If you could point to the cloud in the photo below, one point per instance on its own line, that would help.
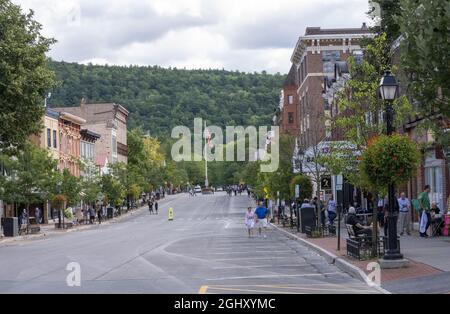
(245, 35)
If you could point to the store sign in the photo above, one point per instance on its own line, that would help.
(325, 183)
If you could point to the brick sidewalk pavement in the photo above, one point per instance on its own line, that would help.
(414, 270)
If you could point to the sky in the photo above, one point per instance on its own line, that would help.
(244, 35)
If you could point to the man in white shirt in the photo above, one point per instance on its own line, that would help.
(405, 214)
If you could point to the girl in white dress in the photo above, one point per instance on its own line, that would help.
(250, 221)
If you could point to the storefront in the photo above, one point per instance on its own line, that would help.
(434, 175)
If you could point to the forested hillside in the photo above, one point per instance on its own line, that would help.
(160, 99)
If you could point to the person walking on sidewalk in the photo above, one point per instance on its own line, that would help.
(99, 215)
(156, 207)
(331, 207)
(91, 215)
(425, 216)
(261, 215)
(405, 214)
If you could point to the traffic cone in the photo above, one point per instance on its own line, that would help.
(170, 214)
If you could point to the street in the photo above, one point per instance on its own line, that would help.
(204, 250)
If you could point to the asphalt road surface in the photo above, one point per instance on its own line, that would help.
(204, 250)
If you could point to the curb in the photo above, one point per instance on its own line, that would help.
(51, 232)
(333, 259)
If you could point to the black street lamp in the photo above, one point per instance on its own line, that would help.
(389, 92)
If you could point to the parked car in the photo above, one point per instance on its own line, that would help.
(219, 189)
(198, 189)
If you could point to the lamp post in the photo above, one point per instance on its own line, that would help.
(389, 92)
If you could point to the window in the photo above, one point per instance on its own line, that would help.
(291, 117)
(114, 145)
(83, 149)
(49, 138)
(329, 59)
(54, 139)
(290, 99)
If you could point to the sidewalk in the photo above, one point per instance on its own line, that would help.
(428, 256)
(50, 229)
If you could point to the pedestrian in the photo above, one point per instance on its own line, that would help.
(404, 214)
(250, 221)
(425, 216)
(331, 207)
(24, 217)
(99, 216)
(91, 215)
(156, 207)
(261, 218)
(85, 216)
(150, 207)
(358, 228)
(37, 214)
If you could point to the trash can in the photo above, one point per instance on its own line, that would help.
(110, 213)
(307, 218)
(11, 227)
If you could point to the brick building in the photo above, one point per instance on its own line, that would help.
(315, 57)
(108, 120)
(289, 118)
(69, 142)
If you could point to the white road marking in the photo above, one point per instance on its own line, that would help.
(251, 252)
(261, 266)
(274, 276)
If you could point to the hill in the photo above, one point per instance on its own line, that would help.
(160, 98)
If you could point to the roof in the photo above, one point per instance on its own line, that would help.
(51, 113)
(335, 31)
(317, 33)
(96, 112)
(71, 117)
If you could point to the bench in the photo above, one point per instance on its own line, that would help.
(358, 246)
(34, 229)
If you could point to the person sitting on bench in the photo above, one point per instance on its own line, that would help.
(358, 228)
(436, 220)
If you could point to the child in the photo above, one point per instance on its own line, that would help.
(250, 221)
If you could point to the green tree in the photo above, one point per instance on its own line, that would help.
(306, 187)
(24, 75)
(32, 176)
(70, 187)
(425, 58)
(389, 10)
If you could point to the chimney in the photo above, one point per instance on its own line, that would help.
(364, 26)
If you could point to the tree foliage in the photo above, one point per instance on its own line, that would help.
(425, 57)
(160, 99)
(24, 75)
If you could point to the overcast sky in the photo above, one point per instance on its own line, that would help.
(245, 35)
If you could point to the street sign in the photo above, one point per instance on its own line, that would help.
(325, 183)
(297, 191)
(338, 187)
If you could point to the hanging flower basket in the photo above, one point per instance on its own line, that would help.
(390, 160)
(59, 201)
